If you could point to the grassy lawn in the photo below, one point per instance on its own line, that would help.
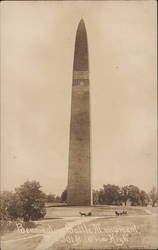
(104, 232)
(153, 209)
(67, 211)
(113, 233)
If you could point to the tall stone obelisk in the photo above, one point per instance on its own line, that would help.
(79, 172)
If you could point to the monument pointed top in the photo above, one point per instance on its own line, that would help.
(81, 48)
(81, 25)
(81, 21)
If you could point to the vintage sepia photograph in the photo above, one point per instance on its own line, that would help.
(78, 125)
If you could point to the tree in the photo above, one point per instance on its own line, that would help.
(153, 195)
(125, 194)
(134, 195)
(51, 198)
(64, 196)
(57, 199)
(31, 200)
(10, 206)
(95, 197)
(144, 198)
(110, 195)
(101, 196)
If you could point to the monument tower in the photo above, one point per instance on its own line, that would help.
(79, 172)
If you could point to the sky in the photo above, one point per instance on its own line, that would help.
(37, 47)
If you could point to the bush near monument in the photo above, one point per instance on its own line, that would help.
(26, 203)
(52, 198)
(64, 196)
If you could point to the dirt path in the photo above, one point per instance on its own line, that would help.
(50, 238)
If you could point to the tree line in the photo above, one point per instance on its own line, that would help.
(28, 202)
(131, 194)
(115, 195)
